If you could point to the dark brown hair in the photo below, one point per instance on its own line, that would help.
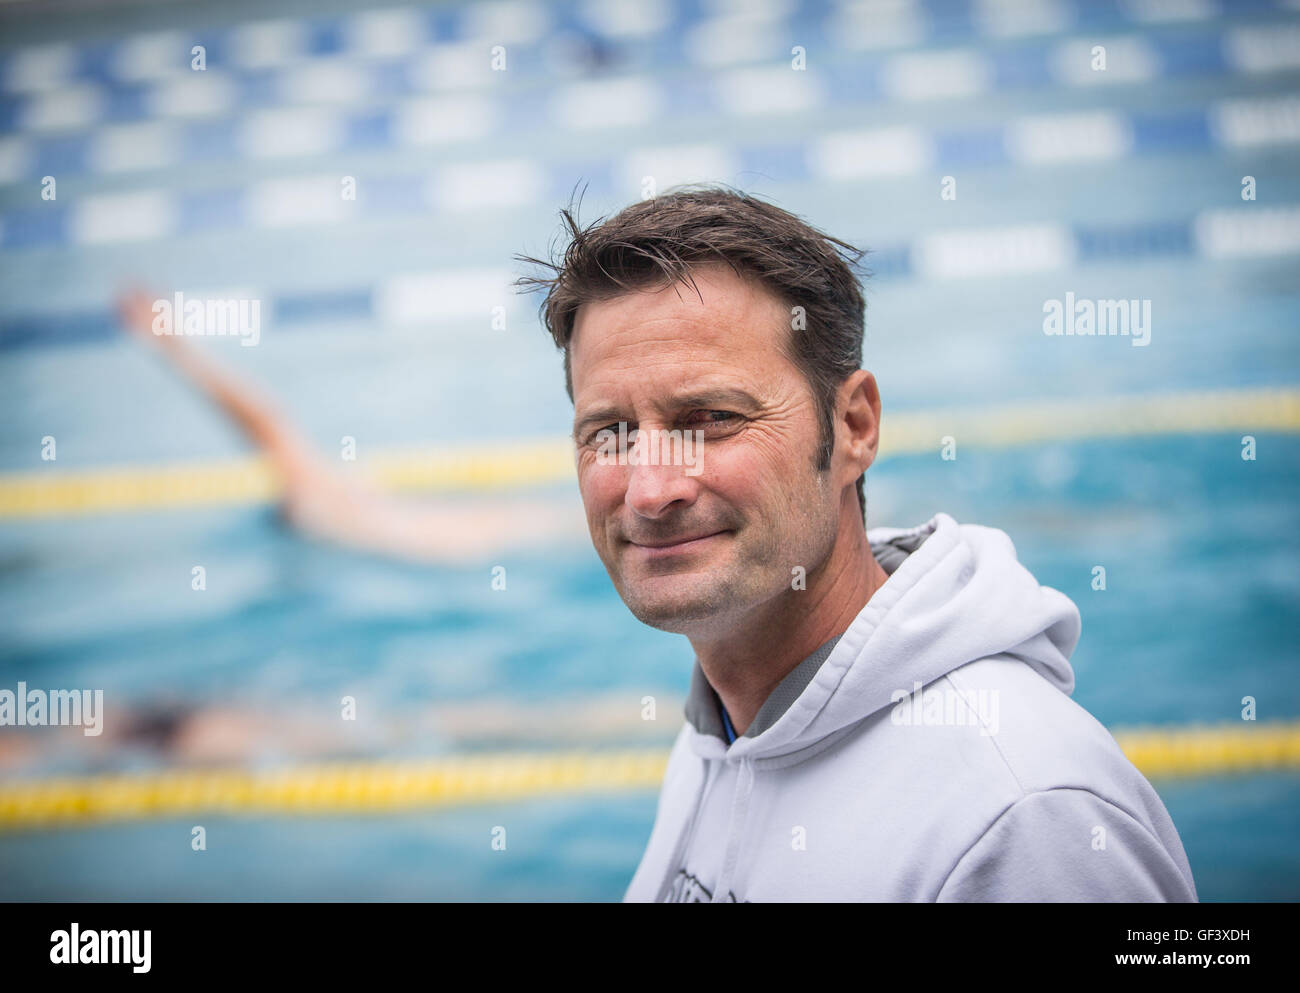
(657, 241)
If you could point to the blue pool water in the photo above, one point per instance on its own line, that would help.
(1198, 612)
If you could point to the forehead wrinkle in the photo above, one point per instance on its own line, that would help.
(667, 355)
(693, 335)
(671, 353)
(667, 330)
(693, 309)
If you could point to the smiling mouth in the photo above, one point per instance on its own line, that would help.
(675, 547)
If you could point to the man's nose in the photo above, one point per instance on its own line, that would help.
(654, 484)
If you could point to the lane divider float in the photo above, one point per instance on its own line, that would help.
(393, 786)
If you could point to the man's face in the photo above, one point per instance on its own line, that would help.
(693, 548)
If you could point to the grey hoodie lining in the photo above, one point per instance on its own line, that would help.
(703, 708)
(789, 689)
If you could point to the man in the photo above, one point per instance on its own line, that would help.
(876, 715)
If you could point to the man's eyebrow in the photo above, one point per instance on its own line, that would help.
(707, 398)
(601, 415)
(722, 396)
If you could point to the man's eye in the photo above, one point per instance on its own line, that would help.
(706, 418)
(609, 432)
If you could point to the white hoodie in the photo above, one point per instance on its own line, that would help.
(989, 784)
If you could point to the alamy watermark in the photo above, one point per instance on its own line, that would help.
(947, 707)
(28, 708)
(1071, 316)
(101, 947)
(651, 447)
(235, 317)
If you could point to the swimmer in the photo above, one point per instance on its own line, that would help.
(327, 504)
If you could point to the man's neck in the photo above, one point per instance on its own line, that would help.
(747, 664)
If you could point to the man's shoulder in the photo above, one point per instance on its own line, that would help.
(974, 742)
(1060, 761)
(1044, 737)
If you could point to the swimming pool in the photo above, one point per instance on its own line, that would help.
(378, 328)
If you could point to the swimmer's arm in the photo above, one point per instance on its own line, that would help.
(317, 497)
(252, 410)
(325, 503)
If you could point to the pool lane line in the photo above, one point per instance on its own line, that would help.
(378, 787)
(54, 492)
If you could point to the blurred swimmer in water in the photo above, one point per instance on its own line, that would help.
(325, 503)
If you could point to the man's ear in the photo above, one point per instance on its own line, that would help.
(859, 422)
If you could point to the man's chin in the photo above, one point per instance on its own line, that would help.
(677, 610)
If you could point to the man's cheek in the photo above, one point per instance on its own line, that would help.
(737, 479)
(600, 501)
(600, 487)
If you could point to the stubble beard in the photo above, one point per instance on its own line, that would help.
(757, 567)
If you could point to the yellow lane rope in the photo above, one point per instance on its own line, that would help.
(1162, 753)
(338, 788)
(53, 491)
(379, 787)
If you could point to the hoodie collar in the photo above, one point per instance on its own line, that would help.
(702, 703)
